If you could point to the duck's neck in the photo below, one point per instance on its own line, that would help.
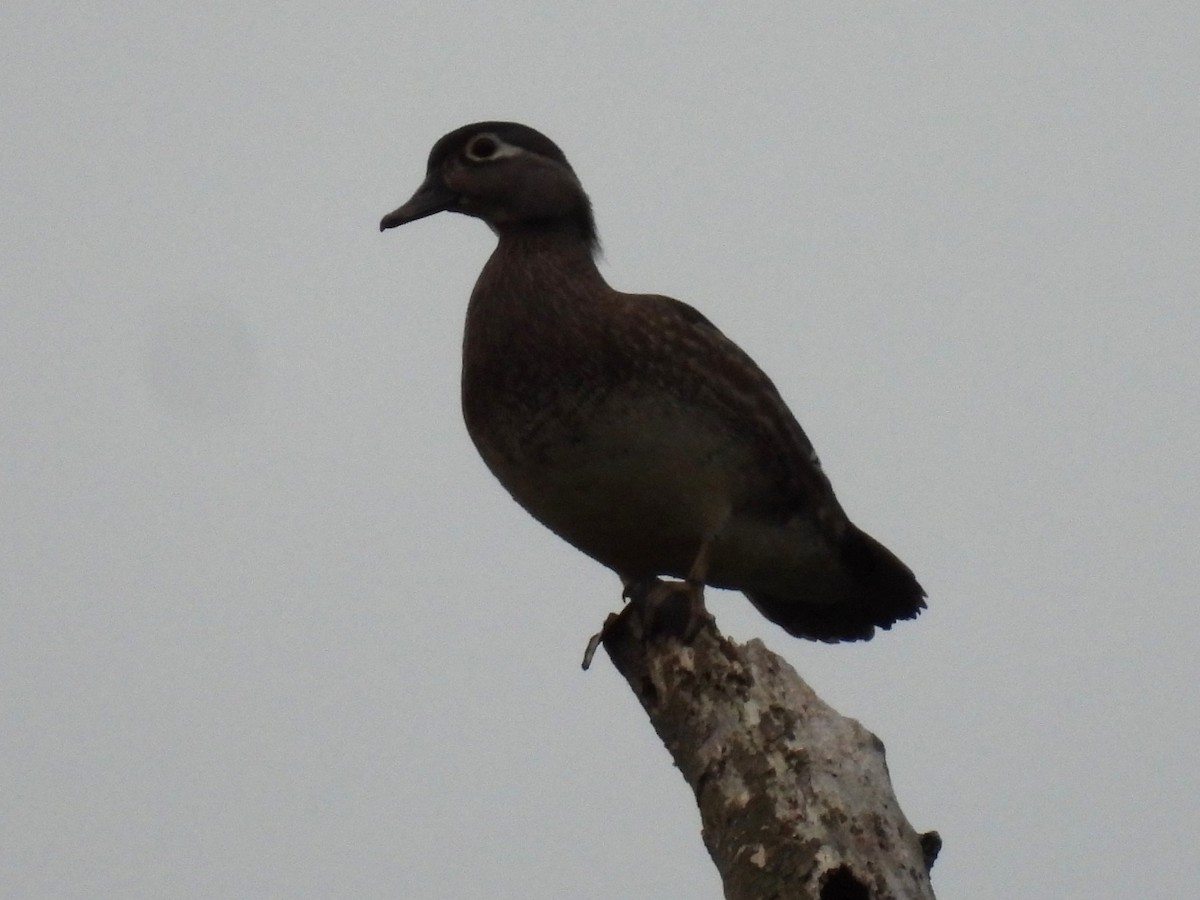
(543, 264)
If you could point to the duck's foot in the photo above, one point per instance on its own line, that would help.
(657, 609)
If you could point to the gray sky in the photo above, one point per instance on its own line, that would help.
(268, 628)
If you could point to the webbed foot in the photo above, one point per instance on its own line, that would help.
(657, 609)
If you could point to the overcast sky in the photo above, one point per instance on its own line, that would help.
(269, 629)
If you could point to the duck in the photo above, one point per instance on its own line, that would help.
(629, 424)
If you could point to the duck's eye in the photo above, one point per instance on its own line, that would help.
(483, 147)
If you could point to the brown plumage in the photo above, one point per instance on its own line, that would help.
(631, 426)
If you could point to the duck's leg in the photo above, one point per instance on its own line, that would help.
(668, 608)
(693, 589)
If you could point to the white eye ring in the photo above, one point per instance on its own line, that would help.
(486, 147)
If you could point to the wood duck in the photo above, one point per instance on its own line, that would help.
(628, 423)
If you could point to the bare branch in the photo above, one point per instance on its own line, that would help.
(795, 799)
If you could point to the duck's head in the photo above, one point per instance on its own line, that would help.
(514, 178)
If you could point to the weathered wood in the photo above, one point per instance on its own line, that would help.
(795, 799)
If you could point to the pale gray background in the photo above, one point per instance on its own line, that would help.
(270, 630)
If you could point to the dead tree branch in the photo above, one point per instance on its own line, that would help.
(795, 799)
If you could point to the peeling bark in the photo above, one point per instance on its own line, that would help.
(795, 799)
